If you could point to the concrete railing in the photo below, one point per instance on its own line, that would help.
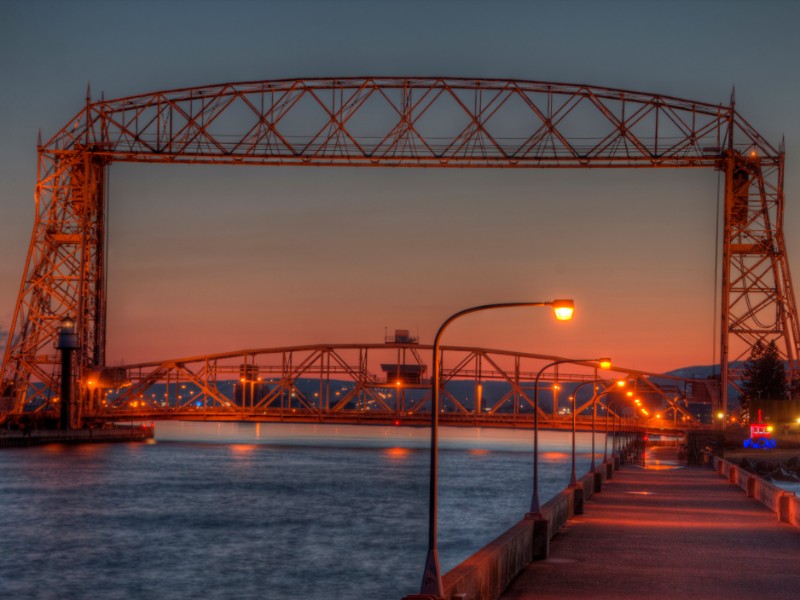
(785, 504)
(488, 572)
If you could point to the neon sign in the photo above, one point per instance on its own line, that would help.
(760, 435)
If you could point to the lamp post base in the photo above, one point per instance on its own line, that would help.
(431, 578)
(577, 498)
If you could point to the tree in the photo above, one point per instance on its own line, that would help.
(764, 375)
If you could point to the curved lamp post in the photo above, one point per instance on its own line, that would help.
(605, 364)
(431, 578)
(595, 398)
(614, 443)
(620, 383)
(536, 510)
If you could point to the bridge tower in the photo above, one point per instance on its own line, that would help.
(64, 278)
(758, 301)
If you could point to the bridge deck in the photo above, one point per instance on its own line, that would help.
(667, 532)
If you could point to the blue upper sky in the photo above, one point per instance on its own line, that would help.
(223, 258)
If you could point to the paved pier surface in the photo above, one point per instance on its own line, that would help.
(668, 532)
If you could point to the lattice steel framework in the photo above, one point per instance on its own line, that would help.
(389, 122)
(351, 383)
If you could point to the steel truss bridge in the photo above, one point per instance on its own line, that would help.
(384, 384)
(387, 122)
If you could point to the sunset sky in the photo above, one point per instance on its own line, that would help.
(209, 259)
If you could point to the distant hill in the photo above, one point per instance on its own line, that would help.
(702, 371)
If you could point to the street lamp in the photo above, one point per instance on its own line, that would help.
(616, 434)
(621, 384)
(431, 578)
(593, 468)
(605, 363)
(536, 511)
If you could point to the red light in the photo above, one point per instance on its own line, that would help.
(397, 422)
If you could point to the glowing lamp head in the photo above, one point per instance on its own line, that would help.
(621, 383)
(563, 309)
(605, 363)
(67, 335)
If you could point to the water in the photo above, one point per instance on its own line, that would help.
(311, 512)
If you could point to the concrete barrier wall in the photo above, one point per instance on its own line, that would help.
(784, 504)
(793, 511)
(488, 572)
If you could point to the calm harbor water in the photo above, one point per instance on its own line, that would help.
(245, 511)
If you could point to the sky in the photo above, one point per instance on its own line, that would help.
(211, 259)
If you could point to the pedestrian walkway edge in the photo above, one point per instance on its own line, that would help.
(488, 572)
(785, 504)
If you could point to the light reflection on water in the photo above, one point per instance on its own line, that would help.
(372, 436)
(266, 511)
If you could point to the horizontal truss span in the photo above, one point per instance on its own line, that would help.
(415, 122)
(372, 384)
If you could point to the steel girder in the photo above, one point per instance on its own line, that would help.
(300, 383)
(395, 122)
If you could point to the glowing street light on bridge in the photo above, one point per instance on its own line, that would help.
(431, 578)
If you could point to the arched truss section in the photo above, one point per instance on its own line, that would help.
(388, 122)
(409, 122)
(374, 383)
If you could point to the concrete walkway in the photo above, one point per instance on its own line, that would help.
(668, 532)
